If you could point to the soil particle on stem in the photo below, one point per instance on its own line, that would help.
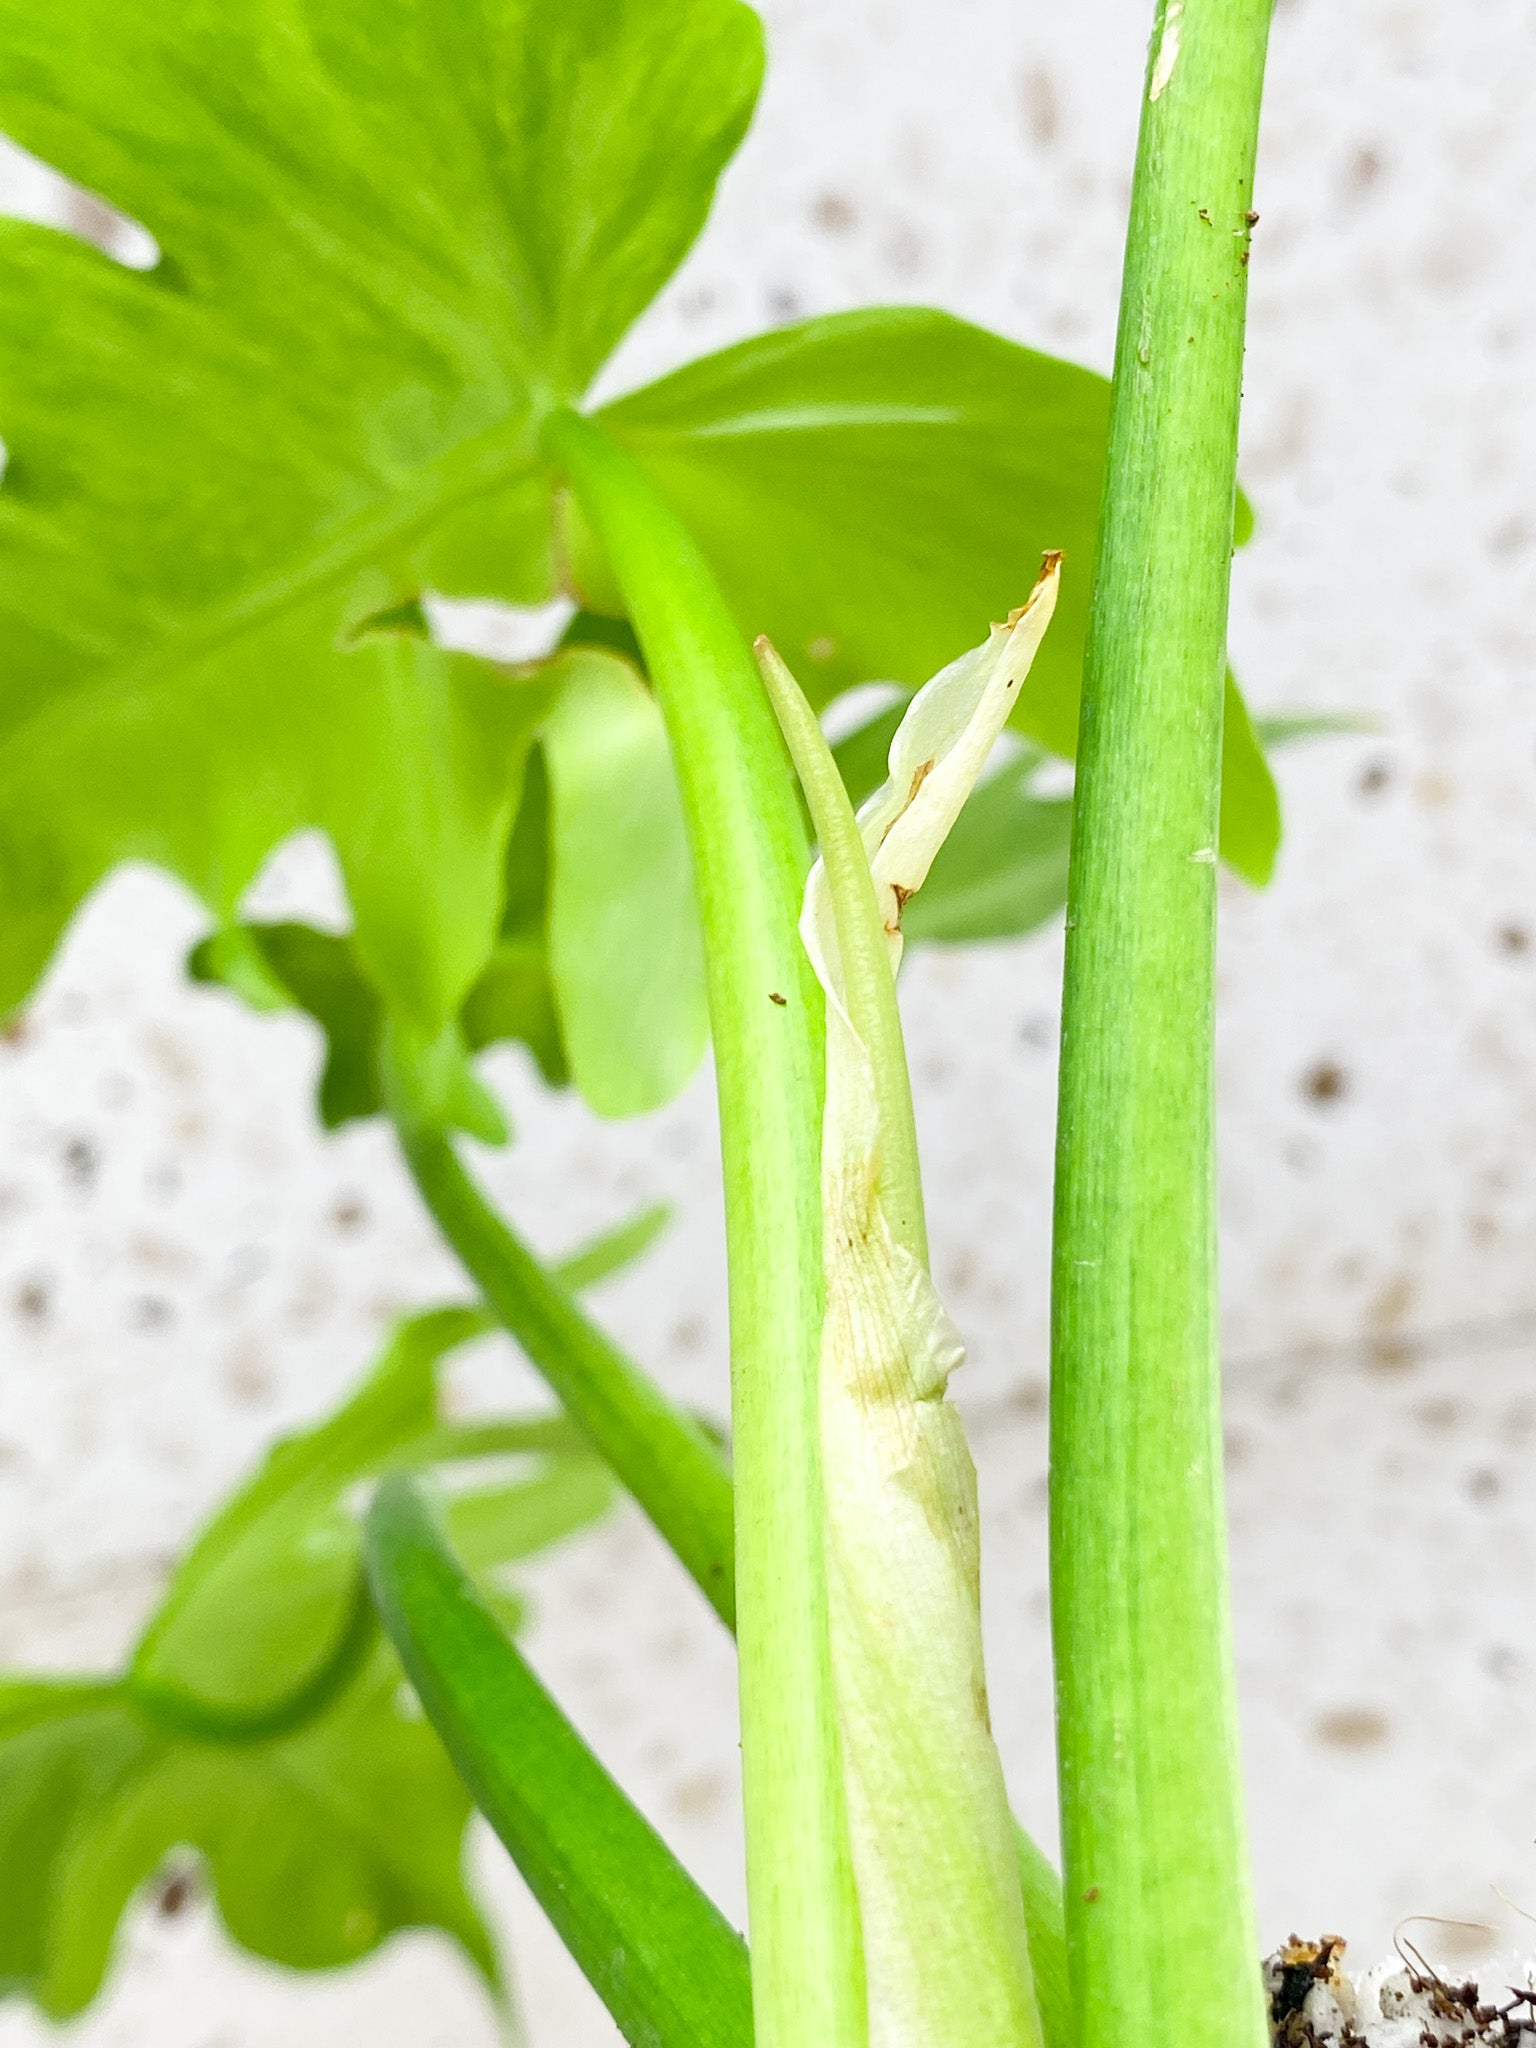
(1314, 2003)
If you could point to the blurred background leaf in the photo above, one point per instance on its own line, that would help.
(626, 954)
(317, 1844)
(1003, 869)
(261, 1721)
(597, 965)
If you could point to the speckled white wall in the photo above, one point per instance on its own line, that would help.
(187, 1267)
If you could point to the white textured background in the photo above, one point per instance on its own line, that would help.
(187, 1267)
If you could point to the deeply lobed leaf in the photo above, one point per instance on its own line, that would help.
(391, 237)
(316, 1845)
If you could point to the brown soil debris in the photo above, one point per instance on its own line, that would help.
(1314, 2004)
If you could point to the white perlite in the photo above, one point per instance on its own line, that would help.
(1315, 2003)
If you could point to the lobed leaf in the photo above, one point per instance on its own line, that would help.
(391, 237)
(261, 1722)
(597, 965)
(317, 1845)
(387, 249)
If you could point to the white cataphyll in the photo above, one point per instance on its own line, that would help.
(946, 1953)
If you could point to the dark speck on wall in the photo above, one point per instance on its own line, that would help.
(1040, 104)
(32, 1301)
(1351, 1728)
(81, 1163)
(834, 214)
(1324, 1083)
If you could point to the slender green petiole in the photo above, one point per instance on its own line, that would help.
(663, 1457)
(1160, 1929)
(749, 858)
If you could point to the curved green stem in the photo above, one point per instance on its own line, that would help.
(750, 858)
(1160, 1928)
(665, 1963)
(665, 1459)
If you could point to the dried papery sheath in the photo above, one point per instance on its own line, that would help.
(937, 756)
(945, 1948)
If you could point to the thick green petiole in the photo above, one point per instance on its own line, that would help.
(749, 856)
(1160, 1929)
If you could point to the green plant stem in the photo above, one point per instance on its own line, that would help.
(750, 858)
(1160, 1929)
(669, 1968)
(1044, 1915)
(665, 1459)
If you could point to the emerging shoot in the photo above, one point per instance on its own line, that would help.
(946, 1954)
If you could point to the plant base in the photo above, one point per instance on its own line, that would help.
(1315, 2003)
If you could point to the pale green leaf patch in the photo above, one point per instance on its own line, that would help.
(626, 956)
(597, 965)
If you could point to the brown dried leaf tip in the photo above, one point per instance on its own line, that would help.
(1050, 565)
